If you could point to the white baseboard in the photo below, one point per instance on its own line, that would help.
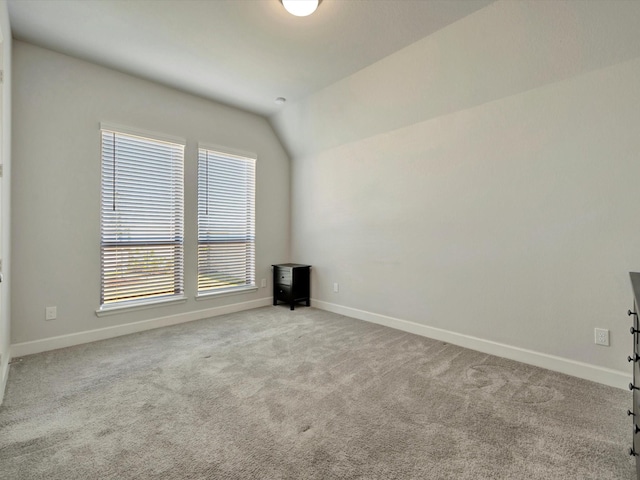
(574, 368)
(4, 374)
(586, 371)
(62, 341)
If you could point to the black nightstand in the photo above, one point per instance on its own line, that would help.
(291, 284)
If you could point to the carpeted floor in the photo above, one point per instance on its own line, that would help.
(275, 394)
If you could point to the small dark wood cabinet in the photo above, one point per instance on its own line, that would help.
(634, 359)
(291, 284)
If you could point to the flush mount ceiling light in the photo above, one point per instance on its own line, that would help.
(300, 8)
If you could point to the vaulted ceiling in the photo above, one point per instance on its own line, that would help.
(244, 53)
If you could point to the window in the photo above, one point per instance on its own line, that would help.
(226, 222)
(141, 219)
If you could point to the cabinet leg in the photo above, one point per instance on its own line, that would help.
(308, 302)
(292, 306)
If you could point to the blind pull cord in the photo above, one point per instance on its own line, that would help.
(114, 172)
(207, 175)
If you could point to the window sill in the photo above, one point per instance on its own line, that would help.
(226, 292)
(142, 305)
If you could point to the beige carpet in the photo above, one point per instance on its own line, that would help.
(275, 394)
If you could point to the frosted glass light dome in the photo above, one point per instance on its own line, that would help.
(300, 8)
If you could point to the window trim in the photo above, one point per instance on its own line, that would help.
(235, 152)
(133, 305)
(227, 292)
(140, 304)
(138, 132)
(241, 289)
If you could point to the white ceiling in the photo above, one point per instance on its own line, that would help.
(243, 53)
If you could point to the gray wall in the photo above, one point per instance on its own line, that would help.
(483, 180)
(59, 103)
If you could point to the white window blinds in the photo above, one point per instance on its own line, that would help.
(226, 221)
(141, 219)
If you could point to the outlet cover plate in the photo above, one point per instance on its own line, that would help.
(602, 337)
(50, 313)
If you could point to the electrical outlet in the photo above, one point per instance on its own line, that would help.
(602, 336)
(336, 287)
(50, 313)
(263, 283)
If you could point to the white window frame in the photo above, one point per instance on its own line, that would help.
(246, 234)
(170, 237)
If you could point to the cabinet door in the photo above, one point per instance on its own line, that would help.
(636, 380)
(301, 283)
